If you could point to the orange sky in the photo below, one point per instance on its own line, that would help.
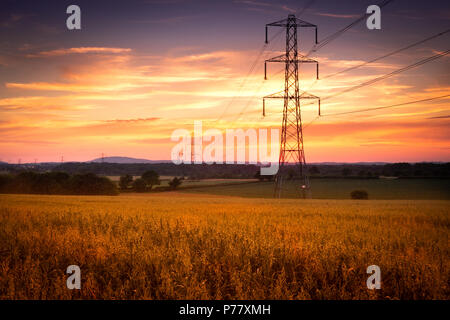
(81, 101)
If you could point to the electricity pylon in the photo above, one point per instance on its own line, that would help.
(292, 155)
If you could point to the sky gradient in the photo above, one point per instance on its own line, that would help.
(140, 69)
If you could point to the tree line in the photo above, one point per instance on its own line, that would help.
(31, 182)
(146, 182)
(62, 183)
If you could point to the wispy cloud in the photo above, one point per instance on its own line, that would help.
(335, 15)
(176, 19)
(440, 117)
(81, 50)
(262, 6)
(132, 120)
(13, 19)
(46, 86)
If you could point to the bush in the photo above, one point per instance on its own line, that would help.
(359, 194)
(5, 182)
(174, 183)
(151, 178)
(139, 185)
(125, 181)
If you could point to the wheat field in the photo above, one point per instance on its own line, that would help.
(185, 246)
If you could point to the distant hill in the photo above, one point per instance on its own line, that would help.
(126, 160)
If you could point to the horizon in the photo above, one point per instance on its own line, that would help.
(159, 161)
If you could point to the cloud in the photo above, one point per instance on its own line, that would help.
(27, 142)
(440, 117)
(14, 19)
(262, 6)
(393, 131)
(40, 103)
(81, 50)
(46, 86)
(132, 120)
(340, 16)
(176, 19)
(3, 61)
(118, 98)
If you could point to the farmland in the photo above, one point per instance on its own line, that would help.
(381, 189)
(197, 246)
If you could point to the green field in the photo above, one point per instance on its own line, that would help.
(188, 183)
(341, 188)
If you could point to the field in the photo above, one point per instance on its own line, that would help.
(187, 183)
(331, 188)
(189, 246)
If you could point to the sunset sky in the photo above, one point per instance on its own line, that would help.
(140, 69)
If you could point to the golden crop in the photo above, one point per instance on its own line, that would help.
(178, 246)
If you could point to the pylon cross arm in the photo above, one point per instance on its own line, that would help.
(288, 22)
(306, 95)
(283, 58)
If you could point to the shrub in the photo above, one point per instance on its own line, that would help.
(174, 183)
(151, 178)
(139, 185)
(359, 194)
(125, 181)
(5, 182)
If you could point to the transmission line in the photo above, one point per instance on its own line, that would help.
(385, 107)
(387, 55)
(367, 83)
(307, 5)
(250, 72)
(338, 33)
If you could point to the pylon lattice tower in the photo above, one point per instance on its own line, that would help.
(291, 147)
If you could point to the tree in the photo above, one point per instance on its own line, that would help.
(174, 183)
(150, 178)
(139, 185)
(125, 181)
(91, 184)
(5, 182)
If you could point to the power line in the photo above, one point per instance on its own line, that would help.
(299, 13)
(387, 55)
(367, 83)
(370, 82)
(307, 5)
(385, 107)
(249, 73)
(338, 33)
(311, 122)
